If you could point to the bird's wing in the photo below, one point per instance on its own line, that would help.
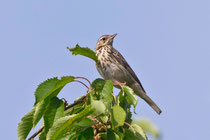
(121, 60)
(98, 67)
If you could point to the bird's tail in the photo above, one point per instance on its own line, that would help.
(138, 90)
(151, 103)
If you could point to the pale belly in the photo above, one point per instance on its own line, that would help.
(114, 72)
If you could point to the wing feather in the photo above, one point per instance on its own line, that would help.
(121, 60)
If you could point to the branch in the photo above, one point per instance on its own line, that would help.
(35, 134)
(76, 102)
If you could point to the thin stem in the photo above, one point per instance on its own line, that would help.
(130, 127)
(76, 102)
(84, 79)
(35, 134)
(82, 83)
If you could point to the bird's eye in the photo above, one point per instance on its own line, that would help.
(104, 39)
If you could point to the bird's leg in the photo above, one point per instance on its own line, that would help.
(119, 84)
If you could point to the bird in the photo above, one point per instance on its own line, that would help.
(111, 65)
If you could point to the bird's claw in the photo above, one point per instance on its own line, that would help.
(119, 84)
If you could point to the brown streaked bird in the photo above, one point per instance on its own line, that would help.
(113, 66)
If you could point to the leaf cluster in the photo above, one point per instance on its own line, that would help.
(99, 114)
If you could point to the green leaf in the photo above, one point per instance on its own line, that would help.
(131, 97)
(126, 106)
(93, 96)
(62, 125)
(139, 132)
(42, 135)
(98, 85)
(53, 84)
(104, 118)
(54, 111)
(44, 88)
(40, 109)
(106, 93)
(63, 81)
(69, 136)
(88, 134)
(74, 110)
(83, 51)
(111, 135)
(129, 135)
(102, 136)
(51, 88)
(117, 116)
(25, 126)
(99, 107)
(148, 126)
(85, 122)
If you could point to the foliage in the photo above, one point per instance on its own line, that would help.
(148, 126)
(99, 114)
(83, 51)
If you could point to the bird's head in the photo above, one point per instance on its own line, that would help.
(105, 40)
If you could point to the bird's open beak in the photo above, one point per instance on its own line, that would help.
(113, 36)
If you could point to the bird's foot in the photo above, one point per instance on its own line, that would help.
(119, 84)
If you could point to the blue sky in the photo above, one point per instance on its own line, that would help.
(166, 43)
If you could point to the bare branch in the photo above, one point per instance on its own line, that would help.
(35, 134)
(76, 102)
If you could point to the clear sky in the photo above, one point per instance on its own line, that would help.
(167, 43)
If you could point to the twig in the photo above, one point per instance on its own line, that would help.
(84, 79)
(76, 102)
(37, 132)
(92, 118)
(130, 127)
(65, 101)
(82, 83)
